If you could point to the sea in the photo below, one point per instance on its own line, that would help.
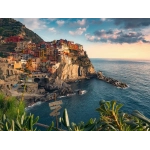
(135, 73)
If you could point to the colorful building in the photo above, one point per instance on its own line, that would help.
(14, 39)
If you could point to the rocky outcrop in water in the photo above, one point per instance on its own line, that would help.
(111, 80)
(50, 84)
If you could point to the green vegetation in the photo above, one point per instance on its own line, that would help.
(111, 119)
(10, 106)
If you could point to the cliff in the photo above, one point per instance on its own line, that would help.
(70, 68)
(75, 67)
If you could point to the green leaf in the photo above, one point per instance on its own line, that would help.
(113, 103)
(51, 126)
(90, 128)
(18, 125)
(139, 115)
(102, 102)
(66, 118)
(107, 104)
(22, 119)
(112, 127)
(91, 121)
(6, 125)
(31, 123)
(36, 120)
(12, 125)
(118, 107)
(4, 118)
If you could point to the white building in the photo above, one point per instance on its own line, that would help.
(23, 61)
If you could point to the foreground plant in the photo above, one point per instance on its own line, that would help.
(89, 126)
(111, 119)
(10, 106)
(21, 123)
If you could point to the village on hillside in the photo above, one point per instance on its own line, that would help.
(29, 61)
(42, 57)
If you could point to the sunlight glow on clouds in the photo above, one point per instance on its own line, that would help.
(34, 23)
(78, 23)
(107, 37)
(81, 22)
(116, 36)
(79, 31)
(52, 30)
(60, 22)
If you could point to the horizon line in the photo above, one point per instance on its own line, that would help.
(121, 58)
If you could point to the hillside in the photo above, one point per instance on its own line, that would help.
(10, 27)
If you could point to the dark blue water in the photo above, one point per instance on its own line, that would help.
(82, 107)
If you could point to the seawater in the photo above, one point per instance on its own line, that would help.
(136, 74)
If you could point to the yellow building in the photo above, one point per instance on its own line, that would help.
(17, 65)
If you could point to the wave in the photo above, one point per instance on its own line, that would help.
(35, 104)
(68, 95)
(61, 96)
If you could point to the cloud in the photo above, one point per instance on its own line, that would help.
(53, 30)
(78, 23)
(33, 23)
(91, 38)
(81, 22)
(60, 22)
(103, 32)
(78, 31)
(117, 36)
(130, 23)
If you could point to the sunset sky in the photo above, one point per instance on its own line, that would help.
(124, 38)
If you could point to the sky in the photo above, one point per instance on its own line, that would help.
(120, 38)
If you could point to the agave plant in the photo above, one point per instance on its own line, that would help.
(143, 123)
(89, 126)
(21, 123)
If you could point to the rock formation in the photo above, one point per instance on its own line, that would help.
(74, 68)
(110, 80)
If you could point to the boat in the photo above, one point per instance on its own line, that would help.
(81, 92)
(71, 94)
(61, 96)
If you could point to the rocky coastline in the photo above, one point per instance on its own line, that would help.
(43, 88)
(46, 88)
(112, 81)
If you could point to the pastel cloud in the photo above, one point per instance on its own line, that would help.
(53, 30)
(60, 22)
(78, 31)
(117, 36)
(33, 23)
(78, 23)
(81, 22)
